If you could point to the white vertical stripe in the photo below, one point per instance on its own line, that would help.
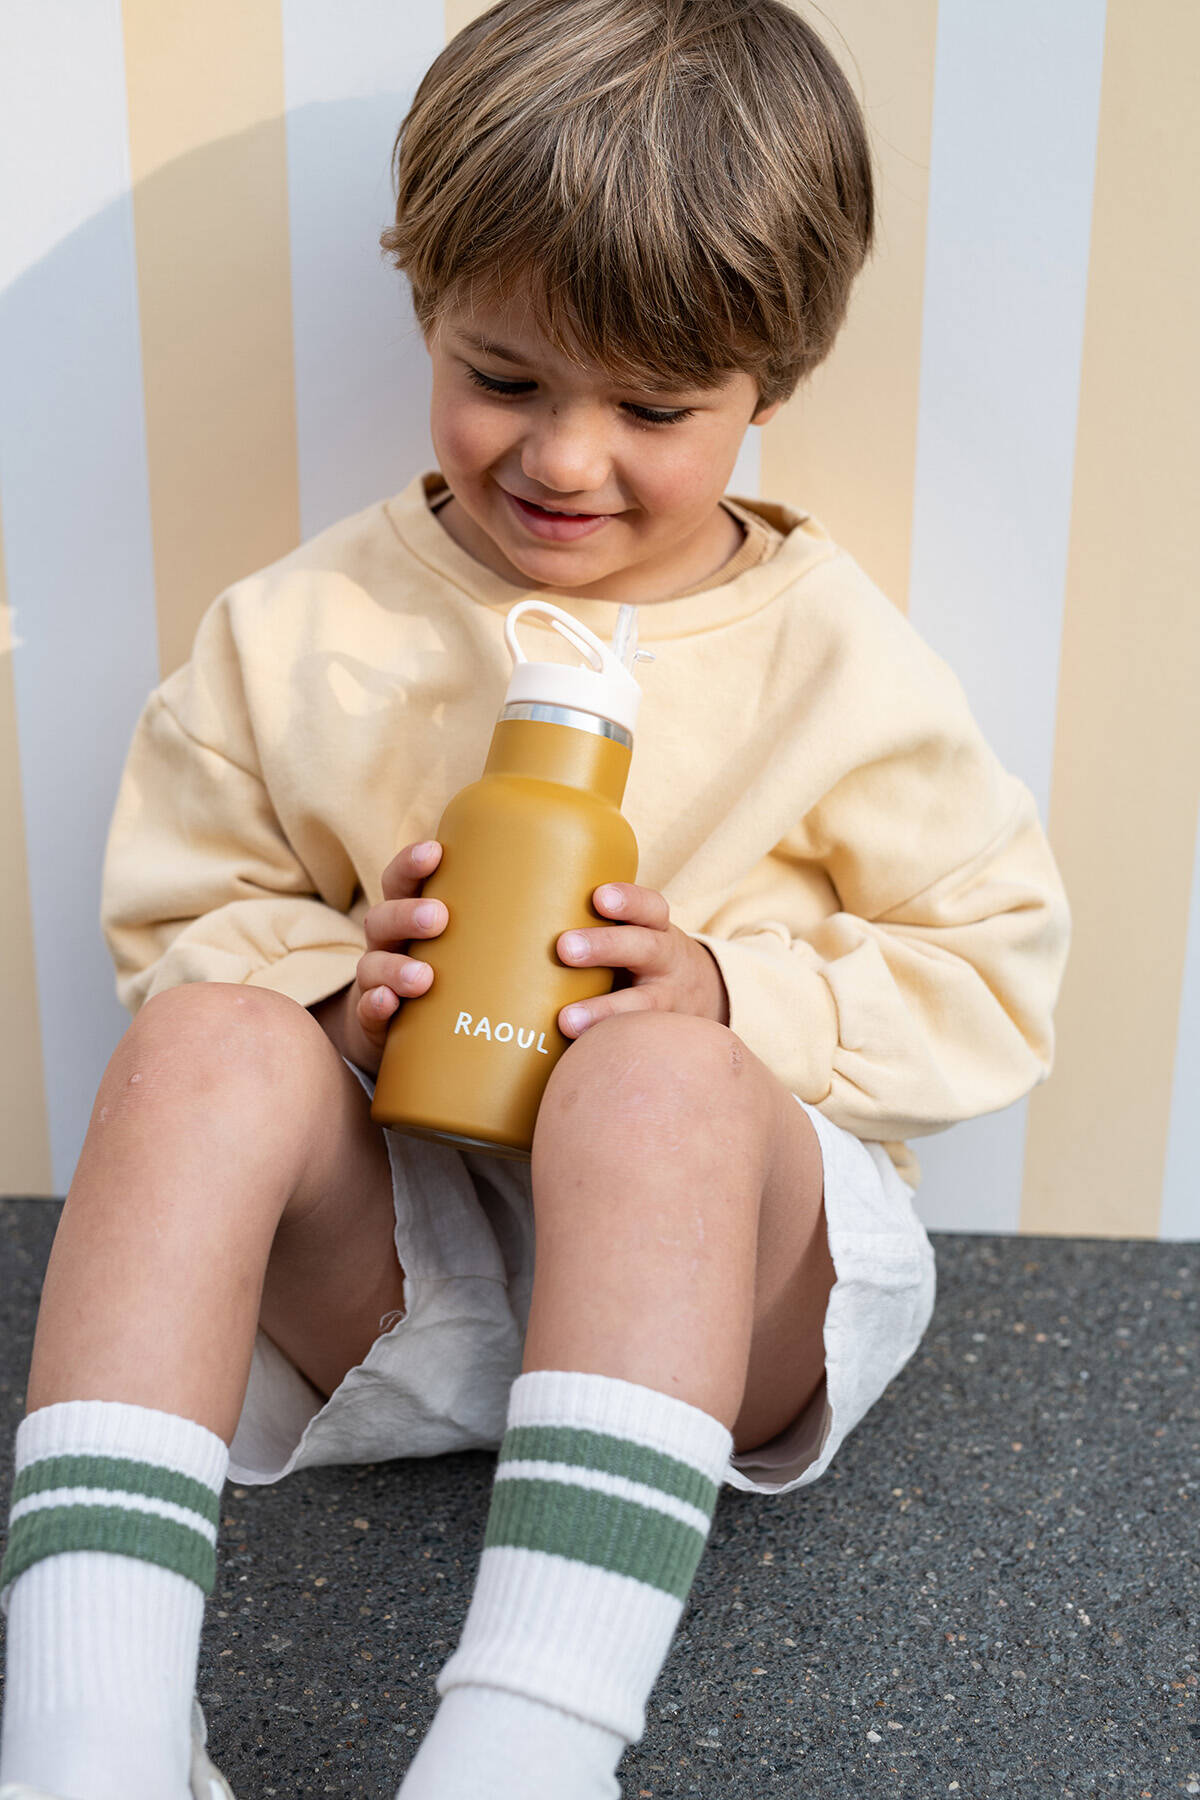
(1181, 1186)
(1015, 120)
(746, 478)
(362, 373)
(76, 506)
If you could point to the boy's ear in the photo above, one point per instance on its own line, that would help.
(765, 413)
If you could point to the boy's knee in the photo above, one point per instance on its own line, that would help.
(205, 1032)
(647, 1059)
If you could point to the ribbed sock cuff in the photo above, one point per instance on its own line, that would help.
(603, 1500)
(106, 1475)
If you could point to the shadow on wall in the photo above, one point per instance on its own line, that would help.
(149, 455)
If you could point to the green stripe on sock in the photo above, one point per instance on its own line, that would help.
(121, 1473)
(49, 1530)
(589, 1526)
(611, 1456)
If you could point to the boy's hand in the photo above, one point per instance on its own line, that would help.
(385, 976)
(671, 971)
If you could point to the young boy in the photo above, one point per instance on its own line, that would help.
(631, 228)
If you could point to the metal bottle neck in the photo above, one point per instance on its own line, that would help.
(569, 747)
(567, 715)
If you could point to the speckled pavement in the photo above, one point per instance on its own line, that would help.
(994, 1590)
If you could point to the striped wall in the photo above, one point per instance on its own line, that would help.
(204, 358)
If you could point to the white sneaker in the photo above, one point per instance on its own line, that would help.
(205, 1781)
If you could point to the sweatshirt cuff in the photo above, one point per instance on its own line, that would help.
(781, 1007)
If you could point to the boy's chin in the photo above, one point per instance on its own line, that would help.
(571, 578)
(569, 564)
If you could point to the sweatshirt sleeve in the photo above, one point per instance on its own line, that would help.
(200, 881)
(900, 1021)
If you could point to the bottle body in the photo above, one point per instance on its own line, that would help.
(523, 850)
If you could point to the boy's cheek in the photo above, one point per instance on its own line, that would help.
(467, 438)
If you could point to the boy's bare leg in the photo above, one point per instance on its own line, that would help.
(681, 1279)
(230, 1165)
(230, 1173)
(678, 1191)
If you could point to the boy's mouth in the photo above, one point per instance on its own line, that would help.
(557, 512)
(557, 526)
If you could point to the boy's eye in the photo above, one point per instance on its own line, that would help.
(645, 413)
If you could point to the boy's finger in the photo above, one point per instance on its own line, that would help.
(392, 922)
(403, 974)
(575, 1019)
(408, 869)
(614, 947)
(379, 1002)
(625, 900)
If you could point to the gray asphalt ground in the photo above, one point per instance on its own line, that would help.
(994, 1590)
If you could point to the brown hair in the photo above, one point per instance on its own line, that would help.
(687, 181)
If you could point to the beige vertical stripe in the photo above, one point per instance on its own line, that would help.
(845, 445)
(461, 12)
(209, 164)
(1127, 751)
(24, 1128)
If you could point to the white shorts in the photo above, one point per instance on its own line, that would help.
(438, 1380)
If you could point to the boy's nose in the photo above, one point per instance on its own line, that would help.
(567, 458)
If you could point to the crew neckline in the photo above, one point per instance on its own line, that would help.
(805, 543)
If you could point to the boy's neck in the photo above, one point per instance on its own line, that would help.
(696, 561)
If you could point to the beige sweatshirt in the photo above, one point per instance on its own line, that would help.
(808, 788)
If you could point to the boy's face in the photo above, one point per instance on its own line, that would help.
(572, 440)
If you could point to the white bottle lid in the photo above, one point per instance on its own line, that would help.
(606, 686)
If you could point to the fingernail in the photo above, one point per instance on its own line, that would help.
(613, 898)
(426, 913)
(575, 1017)
(574, 944)
(421, 851)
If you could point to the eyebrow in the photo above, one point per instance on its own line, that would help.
(651, 384)
(489, 348)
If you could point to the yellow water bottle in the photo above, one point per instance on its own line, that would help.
(523, 850)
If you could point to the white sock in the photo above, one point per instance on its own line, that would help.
(111, 1551)
(604, 1496)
